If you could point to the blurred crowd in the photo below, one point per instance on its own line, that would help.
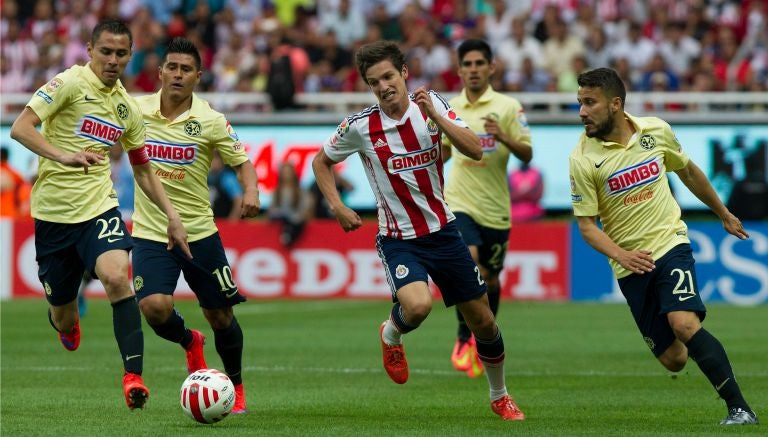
(289, 46)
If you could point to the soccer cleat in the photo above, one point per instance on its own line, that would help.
(476, 368)
(394, 359)
(195, 354)
(506, 408)
(70, 340)
(461, 358)
(740, 416)
(136, 394)
(239, 407)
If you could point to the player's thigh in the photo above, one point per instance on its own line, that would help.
(105, 233)
(156, 270)
(676, 284)
(493, 250)
(402, 264)
(60, 268)
(477, 312)
(416, 299)
(209, 275)
(643, 301)
(451, 267)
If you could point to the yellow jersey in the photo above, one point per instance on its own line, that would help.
(180, 152)
(80, 113)
(480, 189)
(626, 186)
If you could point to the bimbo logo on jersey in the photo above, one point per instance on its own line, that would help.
(414, 160)
(487, 142)
(635, 176)
(99, 130)
(171, 153)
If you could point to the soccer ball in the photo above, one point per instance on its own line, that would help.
(207, 395)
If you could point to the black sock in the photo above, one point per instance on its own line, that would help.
(173, 330)
(494, 296)
(126, 321)
(398, 318)
(463, 332)
(491, 350)
(229, 345)
(711, 358)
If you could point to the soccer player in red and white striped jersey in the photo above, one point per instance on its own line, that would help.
(399, 143)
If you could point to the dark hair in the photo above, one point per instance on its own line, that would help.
(112, 26)
(375, 52)
(475, 44)
(185, 47)
(606, 79)
(5, 153)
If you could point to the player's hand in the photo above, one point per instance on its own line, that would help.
(637, 261)
(251, 204)
(81, 159)
(421, 97)
(348, 219)
(733, 225)
(177, 236)
(491, 126)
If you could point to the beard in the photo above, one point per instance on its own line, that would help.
(601, 130)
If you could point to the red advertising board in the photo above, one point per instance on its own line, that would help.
(329, 263)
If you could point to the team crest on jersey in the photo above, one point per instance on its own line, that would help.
(401, 271)
(138, 283)
(53, 85)
(649, 342)
(432, 127)
(194, 129)
(231, 132)
(343, 128)
(170, 153)
(99, 130)
(634, 176)
(122, 111)
(647, 142)
(414, 160)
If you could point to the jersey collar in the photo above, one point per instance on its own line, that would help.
(94, 80)
(195, 111)
(484, 98)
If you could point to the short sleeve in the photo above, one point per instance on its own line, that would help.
(445, 110)
(54, 95)
(674, 157)
(344, 142)
(583, 189)
(227, 143)
(136, 134)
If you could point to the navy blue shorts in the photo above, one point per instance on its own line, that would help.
(491, 243)
(671, 286)
(157, 270)
(67, 250)
(441, 255)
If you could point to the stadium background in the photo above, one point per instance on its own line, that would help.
(722, 125)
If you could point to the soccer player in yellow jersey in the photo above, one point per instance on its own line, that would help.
(477, 191)
(618, 175)
(182, 134)
(86, 111)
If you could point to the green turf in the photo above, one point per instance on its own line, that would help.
(314, 368)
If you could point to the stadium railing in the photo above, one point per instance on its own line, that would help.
(330, 108)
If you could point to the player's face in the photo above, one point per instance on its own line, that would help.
(597, 112)
(475, 71)
(109, 56)
(179, 75)
(388, 84)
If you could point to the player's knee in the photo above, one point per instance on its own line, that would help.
(417, 312)
(684, 326)
(219, 318)
(116, 284)
(674, 363)
(155, 311)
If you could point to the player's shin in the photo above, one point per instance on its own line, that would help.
(491, 354)
(126, 321)
(229, 345)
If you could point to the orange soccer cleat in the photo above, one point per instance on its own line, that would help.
(476, 368)
(136, 394)
(394, 359)
(461, 358)
(506, 408)
(195, 354)
(239, 407)
(71, 340)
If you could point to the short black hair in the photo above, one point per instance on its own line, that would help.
(606, 79)
(116, 27)
(475, 44)
(375, 52)
(185, 47)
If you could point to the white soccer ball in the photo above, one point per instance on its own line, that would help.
(207, 395)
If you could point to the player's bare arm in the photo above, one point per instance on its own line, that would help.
(521, 150)
(153, 188)
(322, 166)
(697, 182)
(462, 138)
(24, 130)
(636, 261)
(246, 175)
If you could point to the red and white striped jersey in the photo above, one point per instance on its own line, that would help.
(403, 163)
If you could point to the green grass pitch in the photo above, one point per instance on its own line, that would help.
(314, 368)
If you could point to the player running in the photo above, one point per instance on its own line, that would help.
(398, 141)
(619, 175)
(85, 111)
(478, 191)
(182, 134)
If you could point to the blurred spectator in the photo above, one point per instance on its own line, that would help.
(162, 11)
(291, 205)
(389, 25)
(634, 47)
(658, 76)
(19, 51)
(416, 76)
(560, 48)
(347, 24)
(521, 45)
(598, 53)
(12, 81)
(497, 24)
(678, 48)
(14, 189)
(147, 80)
(526, 188)
(42, 21)
(319, 205)
(225, 191)
(529, 79)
